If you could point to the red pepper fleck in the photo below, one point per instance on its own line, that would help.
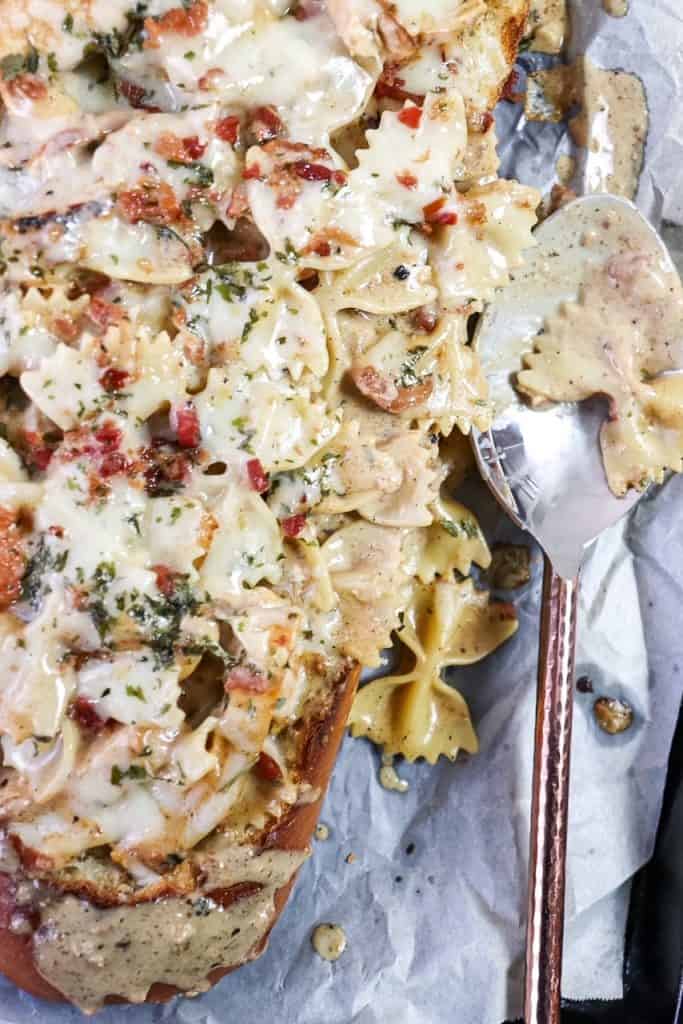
(252, 171)
(258, 478)
(112, 464)
(65, 328)
(104, 313)
(38, 453)
(410, 117)
(109, 436)
(391, 86)
(182, 21)
(317, 172)
(265, 124)
(193, 147)
(407, 179)
(293, 525)
(166, 579)
(243, 678)
(187, 426)
(83, 712)
(136, 95)
(435, 214)
(113, 380)
(228, 129)
(268, 768)
(41, 456)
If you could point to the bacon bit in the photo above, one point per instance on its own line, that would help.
(109, 436)
(320, 246)
(239, 891)
(163, 468)
(56, 531)
(208, 81)
(484, 121)
(136, 95)
(267, 768)
(41, 457)
(390, 86)
(239, 203)
(65, 328)
(103, 314)
(113, 380)
(154, 202)
(182, 21)
(398, 43)
(186, 424)
(112, 464)
(183, 151)
(435, 214)
(308, 9)
(243, 678)
(382, 390)
(228, 129)
(83, 712)
(265, 124)
(166, 579)
(407, 179)
(476, 213)
(38, 453)
(28, 87)
(286, 199)
(424, 318)
(293, 525)
(12, 558)
(258, 478)
(250, 172)
(410, 117)
(317, 172)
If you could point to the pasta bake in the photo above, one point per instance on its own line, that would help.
(242, 241)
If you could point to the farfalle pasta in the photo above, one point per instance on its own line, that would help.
(241, 242)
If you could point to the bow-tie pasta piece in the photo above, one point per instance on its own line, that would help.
(417, 714)
(622, 339)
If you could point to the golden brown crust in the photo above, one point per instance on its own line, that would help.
(319, 743)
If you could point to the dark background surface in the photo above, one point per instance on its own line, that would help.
(654, 947)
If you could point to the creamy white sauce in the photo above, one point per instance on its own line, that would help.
(622, 338)
(329, 941)
(389, 777)
(611, 125)
(88, 953)
(617, 8)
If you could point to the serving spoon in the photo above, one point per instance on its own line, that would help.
(545, 469)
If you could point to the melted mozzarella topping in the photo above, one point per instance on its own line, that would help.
(230, 355)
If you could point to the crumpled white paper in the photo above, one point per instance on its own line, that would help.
(433, 902)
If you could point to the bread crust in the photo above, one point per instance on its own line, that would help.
(320, 742)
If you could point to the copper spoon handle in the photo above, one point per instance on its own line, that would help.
(550, 799)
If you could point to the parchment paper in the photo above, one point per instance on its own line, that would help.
(433, 900)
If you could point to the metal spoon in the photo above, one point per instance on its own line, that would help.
(545, 469)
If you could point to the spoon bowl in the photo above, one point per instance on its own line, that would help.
(544, 465)
(545, 469)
